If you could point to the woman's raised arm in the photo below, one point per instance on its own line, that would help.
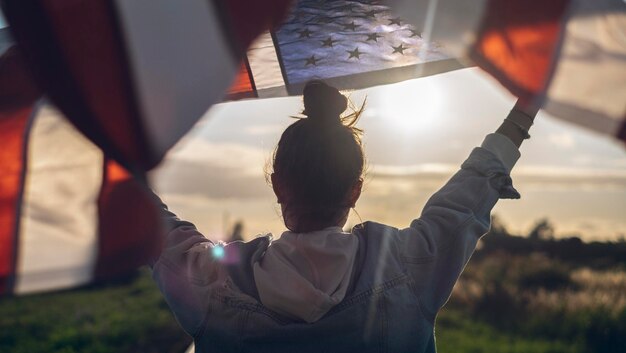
(436, 246)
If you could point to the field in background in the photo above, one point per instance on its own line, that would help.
(518, 294)
(127, 316)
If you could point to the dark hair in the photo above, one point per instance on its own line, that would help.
(319, 158)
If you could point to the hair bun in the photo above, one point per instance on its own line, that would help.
(323, 102)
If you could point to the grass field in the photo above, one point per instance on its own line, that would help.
(458, 332)
(501, 304)
(128, 316)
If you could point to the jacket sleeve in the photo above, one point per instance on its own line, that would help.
(436, 247)
(185, 271)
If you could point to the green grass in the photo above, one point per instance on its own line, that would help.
(457, 332)
(131, 316)
(121, 317)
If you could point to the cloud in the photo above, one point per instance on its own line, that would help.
(267, 129)
(213, 181)
(381, 170)
(245, 159)
(563, 140)
(527, 176)
(214, 170)
(576, 179)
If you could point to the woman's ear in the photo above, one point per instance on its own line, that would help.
(356, 192)
(277, 187)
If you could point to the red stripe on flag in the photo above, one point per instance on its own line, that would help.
(518, 41)
(13, 125)
(76, 52)
(18, 94)
(129, 224)
(243, 87)
(88, 36)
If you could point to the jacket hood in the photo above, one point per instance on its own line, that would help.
(303, 275)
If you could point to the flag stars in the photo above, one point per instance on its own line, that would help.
(324, 19)
(395, 21)
(328, 42)
(297, 16)
(350, 26)
(371, 13)
(399, 49)
(347, 8)
(305, 33)
(354, 53)
(414, 33)
(311, 61)
(373, 36)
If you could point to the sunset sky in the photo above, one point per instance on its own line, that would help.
(417, 133)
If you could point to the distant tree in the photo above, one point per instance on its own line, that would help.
(542, 230)
(497, 226)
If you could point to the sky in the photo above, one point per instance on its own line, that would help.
(417, 134)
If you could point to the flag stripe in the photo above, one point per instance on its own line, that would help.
(265, 67)
(280, 59)
(18, 94)
(14, 126)
(129, 226)
(250, 77)
(57, 242)
(243, 87)
(176, 75)
(35, 34)
(583, 116)
(589, 83)
(517, 44)
(386, 76)
(89, 37)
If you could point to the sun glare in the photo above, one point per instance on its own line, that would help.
(411, 107)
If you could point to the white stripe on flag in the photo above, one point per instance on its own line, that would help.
(589, 85)
(58, 235)
(181, 61)
(265, 68)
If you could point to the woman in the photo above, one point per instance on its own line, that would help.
(317, 288)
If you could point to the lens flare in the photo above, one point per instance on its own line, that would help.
(218, 252)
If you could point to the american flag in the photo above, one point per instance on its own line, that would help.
(132, 77)
(350, 44)
(336, 40)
